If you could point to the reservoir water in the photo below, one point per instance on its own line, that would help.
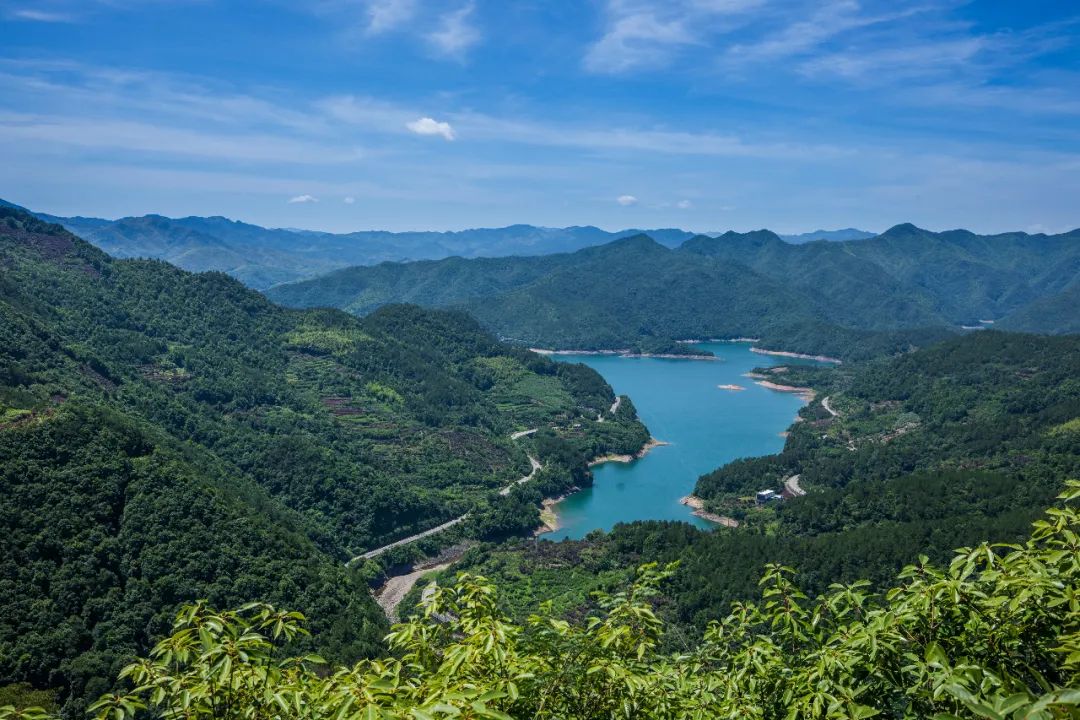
(680, 403)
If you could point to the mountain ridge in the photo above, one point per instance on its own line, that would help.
(261, 256)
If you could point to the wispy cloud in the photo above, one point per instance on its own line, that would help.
(909, 61)
(605, 138)
(302, 199)
(647, 33)
(430, 126)
(386, 15)
(626, 200)
(106, 108)
(456, 33)
(827, 20)
(443, 30)
(72, 11)
(150, 137)
(634, 40)
(132, 136)
(46, 16)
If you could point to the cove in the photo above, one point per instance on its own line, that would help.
(680, 403)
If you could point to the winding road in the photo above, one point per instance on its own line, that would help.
(536, 467)
(828, 408)
(405, 541)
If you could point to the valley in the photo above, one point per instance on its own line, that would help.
(187, 437)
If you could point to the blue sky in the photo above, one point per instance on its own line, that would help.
(416, 114)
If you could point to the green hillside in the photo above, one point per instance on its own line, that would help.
(166, 436)
(1055, 314)
(431, 283)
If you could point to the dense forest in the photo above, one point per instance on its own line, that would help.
(994, 634)
(963, 442)
(167, 436)
(855, 299)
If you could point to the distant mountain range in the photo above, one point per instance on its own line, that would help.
(585, 287)
(851, 299)
(831, 235)
(262, 257)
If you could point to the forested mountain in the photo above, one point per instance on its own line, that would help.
(1054, 314)
(256, 256)
(167, 436)
(964, 442)
(903, 288)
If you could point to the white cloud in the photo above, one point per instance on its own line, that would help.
(456, 33)
(430, 126)
(299, 199)
(684, 204)
(626, 200)
(350, 200)
(386, 15)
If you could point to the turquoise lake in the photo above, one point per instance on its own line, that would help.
(680, 403)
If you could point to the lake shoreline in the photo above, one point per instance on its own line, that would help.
(645, 450)
(801, 356)
(627, 353)
(549, 518)
(807, 394)
(698, 510)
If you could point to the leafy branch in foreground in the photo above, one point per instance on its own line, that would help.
(995, 635)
